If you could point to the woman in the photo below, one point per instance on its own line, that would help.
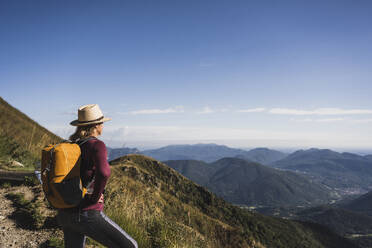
(88, 219)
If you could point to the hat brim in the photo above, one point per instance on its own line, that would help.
(77, 123)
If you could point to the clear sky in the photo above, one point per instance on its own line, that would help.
(241, 73)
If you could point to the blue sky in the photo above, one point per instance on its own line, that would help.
(241, 73)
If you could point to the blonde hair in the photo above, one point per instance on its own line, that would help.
(82, 132)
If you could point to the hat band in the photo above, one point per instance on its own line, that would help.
(101, 118)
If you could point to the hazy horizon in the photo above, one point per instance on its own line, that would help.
(142, 146)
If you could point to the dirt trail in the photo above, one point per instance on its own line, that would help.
(13, 229)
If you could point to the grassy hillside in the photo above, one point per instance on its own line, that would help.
(21, 138)
(161, 208)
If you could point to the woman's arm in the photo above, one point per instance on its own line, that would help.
(102, 172)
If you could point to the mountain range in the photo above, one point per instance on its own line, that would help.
(347, 172)
(151, 192)
(249, 183)
(213, 152)
(263, 156)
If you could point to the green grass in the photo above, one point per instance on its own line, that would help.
(143, 213)
(10, 151)
(130, 226)
(55, 242)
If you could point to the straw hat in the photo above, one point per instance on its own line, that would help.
(89, 114)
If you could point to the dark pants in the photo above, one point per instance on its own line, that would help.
(94, 224)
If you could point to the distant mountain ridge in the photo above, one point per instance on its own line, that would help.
(263, 156)
(249, 183)
(197, 171)
(213, 152)
(203, 152)
(114, 153)
(337, 170)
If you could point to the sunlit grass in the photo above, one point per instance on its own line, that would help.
(143, 212)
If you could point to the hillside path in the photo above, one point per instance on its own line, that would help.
(11, 234)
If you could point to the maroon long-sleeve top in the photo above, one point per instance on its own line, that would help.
(94, 172)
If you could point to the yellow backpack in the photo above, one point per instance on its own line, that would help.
(60, 174)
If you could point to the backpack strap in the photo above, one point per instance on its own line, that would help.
(48, 168)
(83, 141)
